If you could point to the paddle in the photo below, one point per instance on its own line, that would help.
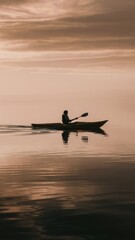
(83, 115)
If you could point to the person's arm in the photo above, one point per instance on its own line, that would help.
(73, 119)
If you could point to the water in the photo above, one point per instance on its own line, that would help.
(78, 190)
(76, 187)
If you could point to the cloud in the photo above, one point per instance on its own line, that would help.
(73, 25)
(115, 5)
(15, 2)
(44, 9)
(70, 59)
(53, 8)
(99, 31)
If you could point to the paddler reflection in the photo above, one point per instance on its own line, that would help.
(65, 137)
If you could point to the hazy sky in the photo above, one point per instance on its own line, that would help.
(66, 51)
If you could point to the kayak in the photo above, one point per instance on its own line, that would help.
(70, 127)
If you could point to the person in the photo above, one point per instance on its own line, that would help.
(65, 118)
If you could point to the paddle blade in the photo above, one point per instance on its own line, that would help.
(84, 114)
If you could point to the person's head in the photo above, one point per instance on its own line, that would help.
(66, 112)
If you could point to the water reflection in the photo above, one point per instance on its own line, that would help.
(67, 198)
(80, 192)
(85, 139)
(65, 134)
(65, 137)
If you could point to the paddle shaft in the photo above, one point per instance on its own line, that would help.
(83, 115)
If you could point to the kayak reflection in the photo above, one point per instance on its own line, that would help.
(65, 135)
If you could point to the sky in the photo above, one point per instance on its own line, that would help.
(66, 33)
(69, 47)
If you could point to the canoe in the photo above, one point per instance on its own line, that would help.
(70, 127)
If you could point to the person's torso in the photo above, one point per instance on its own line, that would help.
(65, 119)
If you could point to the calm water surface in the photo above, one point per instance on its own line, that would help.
(75, 187)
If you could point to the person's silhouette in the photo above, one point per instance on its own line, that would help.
(65, 118)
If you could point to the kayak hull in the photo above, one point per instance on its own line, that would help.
(70, 127)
